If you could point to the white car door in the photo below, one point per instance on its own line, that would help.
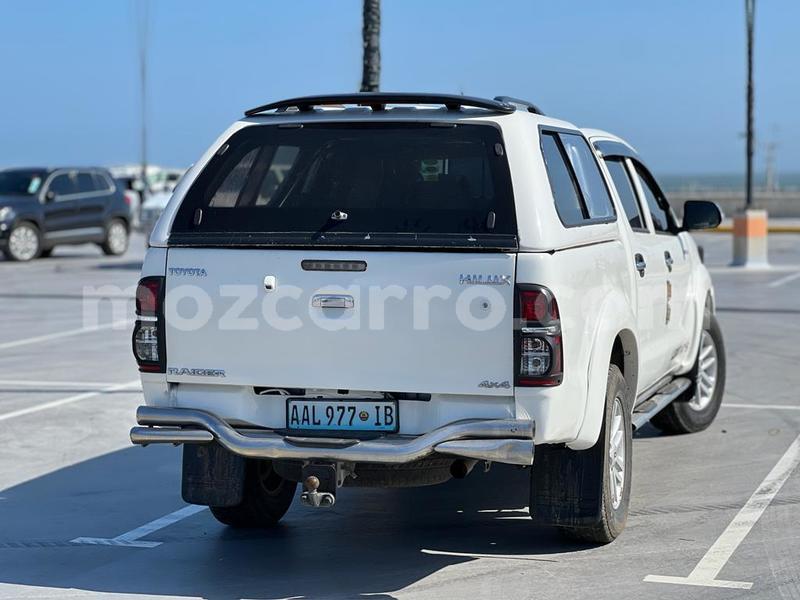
(671, 255)
(650, 274)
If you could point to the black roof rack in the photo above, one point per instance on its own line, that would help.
(523, 104)
(378, 101)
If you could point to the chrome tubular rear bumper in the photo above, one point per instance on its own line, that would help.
(497, 440)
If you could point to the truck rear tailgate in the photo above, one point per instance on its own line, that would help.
(426, 322)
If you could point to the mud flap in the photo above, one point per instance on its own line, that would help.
(212, 476)
(567, 486)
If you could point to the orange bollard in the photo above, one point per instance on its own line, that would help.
(750, 239)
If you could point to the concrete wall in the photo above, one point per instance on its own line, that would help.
(777, 204)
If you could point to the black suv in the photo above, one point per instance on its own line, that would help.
(42, 208)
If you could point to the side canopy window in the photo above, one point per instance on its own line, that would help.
(578, 189)
(656, 202)
(619, 175)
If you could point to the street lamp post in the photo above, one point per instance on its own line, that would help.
(750, 226)
(142, 24)
(750, 9)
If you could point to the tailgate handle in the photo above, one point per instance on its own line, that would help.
(332, 301)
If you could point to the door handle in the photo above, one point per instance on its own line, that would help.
(669, 260)
(640, 263)
(332, 301)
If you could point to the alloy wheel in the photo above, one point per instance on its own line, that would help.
(117, 238)
(707, 366)
(23, 243)
(616, 453)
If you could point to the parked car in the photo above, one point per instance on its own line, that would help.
(132, 191)
(156, 202)
(151, 211)
(389, 292)
(42, 208)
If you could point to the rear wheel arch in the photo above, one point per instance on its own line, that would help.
(625, 355)
(122, 218)
(614, 324)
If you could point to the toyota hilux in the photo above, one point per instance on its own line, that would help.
(390, 289)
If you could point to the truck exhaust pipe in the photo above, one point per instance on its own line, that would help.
(461, 468)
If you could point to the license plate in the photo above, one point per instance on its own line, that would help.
(323, 414)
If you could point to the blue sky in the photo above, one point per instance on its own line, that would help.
(668, 76)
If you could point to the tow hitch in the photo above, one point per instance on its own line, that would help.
(319, 485)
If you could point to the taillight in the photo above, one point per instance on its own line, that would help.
(537, 337)
(148, 296)
(148, 332)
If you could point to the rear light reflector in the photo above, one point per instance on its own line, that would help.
(145, 342)
(148, 333)
(538, 338)
(535, 354)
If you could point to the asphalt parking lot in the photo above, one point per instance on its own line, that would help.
(723, 505)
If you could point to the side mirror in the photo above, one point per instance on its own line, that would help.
(701, 214)
(50, 196)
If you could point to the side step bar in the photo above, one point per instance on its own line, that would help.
(658, 401)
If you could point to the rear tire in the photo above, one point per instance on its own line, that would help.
(585, 493)
(266, 498)
(117, 238)
(698, 409)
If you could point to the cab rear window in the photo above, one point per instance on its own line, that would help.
(354, 184)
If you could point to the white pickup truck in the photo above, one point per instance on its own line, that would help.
(387, 289)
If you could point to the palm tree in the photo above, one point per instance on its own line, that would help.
(371, 34)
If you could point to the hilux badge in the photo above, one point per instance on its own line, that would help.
(473, 279)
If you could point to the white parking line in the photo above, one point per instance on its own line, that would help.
(706, 571)
(132, 539)
(62, 334)
(68, 400)
(58, 384)
(784, 280)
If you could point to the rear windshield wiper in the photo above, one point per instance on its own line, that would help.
(338, 216)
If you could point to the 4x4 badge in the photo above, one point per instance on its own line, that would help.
(494, 384)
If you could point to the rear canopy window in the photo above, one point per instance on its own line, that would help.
(396, 184)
